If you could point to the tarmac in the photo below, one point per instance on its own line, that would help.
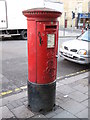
(72, 96)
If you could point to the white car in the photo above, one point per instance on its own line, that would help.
(77, 50)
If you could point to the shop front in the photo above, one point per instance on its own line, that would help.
(83, 20)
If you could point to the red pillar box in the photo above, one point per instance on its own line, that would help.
(42, 32)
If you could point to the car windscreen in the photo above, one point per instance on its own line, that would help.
(85, 36)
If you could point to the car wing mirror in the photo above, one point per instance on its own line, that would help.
(77, 37)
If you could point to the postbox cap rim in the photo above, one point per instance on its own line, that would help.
(41, 12)
(43, 9)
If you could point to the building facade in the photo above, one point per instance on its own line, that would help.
(81, 8)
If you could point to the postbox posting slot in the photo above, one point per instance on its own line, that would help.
(50, 27)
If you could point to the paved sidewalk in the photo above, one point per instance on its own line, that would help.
(71, 101)
(68, 32)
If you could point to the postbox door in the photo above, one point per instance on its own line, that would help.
(47, 44)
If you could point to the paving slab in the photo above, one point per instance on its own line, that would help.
(22, 112)
(81, 88)
(59, 110)
(24, 99)
(85, 82)
(40, 116)
(73, 84)
(83, 114)
(6, 113)
(14, 97)
(0, 102)
(73, 106)
(14, 104)
(64, 98)
(1, 75)
(25, 103)
(78, 96)
(65, 89)
(10, 106)
(64, 114)
(85, 103)
(88, 113)
(19, 102)
(4, 80)
(50, 114)
(0, 113)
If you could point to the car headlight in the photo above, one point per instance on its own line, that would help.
(82, 52)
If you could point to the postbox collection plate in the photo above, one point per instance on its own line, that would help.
(50, 40)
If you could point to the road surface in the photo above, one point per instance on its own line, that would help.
(15, 69)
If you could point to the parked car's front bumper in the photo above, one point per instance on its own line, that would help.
(74, 57)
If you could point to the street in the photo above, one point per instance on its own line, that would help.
(15, 68)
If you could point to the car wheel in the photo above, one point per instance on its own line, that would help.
(24, 34)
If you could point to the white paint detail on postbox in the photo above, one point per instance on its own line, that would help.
(50, 40)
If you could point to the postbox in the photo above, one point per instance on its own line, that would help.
(42, 33)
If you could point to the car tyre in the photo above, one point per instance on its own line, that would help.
(24, 35)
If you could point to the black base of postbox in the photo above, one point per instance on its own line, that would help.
(41, 97)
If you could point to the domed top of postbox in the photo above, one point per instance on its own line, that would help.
(41, 13)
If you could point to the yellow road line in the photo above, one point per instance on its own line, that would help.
(17, 89)
(7, 92)
(82, 71)
(25, 87)
(69, 75)
(10, 91)
(76, 73)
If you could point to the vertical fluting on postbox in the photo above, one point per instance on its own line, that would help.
(42, 33)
